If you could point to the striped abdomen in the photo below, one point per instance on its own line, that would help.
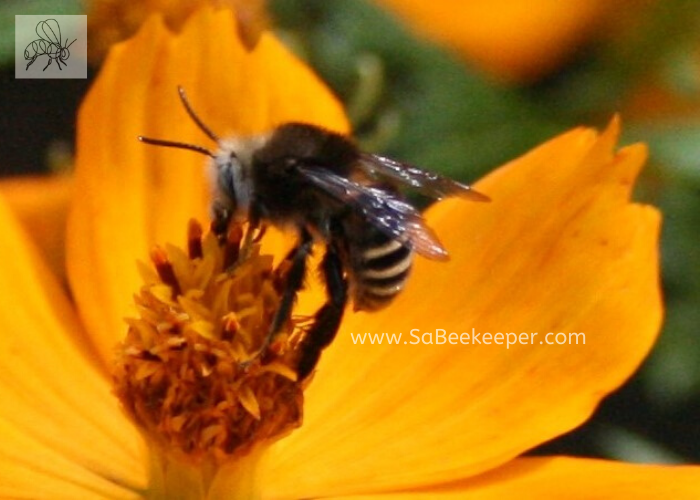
(380, 269)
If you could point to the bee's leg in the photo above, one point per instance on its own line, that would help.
(298, 257)
(295, 280)
(293, 283)
(327, 319)
(261, 232)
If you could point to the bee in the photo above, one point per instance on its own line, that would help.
(48, 44)
(321, 185)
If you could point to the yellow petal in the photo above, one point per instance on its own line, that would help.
(60, 426)
(567, 478)
(560, 249)
(133, 196)
(30, 468)
(41, 206)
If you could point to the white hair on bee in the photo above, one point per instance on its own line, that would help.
(230, 172)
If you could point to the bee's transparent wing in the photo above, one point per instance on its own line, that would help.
(49, 31)
(383, 209)
(428, 183)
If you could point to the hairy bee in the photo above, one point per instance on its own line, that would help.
(320, 184)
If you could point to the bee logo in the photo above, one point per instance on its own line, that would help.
(48, 44)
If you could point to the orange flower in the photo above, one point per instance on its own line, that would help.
(111, 21)
(512, 39)
(561, 248)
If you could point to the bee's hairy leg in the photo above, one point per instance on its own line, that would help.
(298, 257)
(327, 319)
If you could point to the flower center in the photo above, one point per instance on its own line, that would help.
(190, 372)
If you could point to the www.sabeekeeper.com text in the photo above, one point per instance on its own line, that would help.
(441, 336)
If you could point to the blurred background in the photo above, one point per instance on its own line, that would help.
(462, 87)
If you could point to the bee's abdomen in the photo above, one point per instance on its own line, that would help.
(382, 266)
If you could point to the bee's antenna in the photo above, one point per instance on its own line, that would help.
(193, 115)
(173, 144)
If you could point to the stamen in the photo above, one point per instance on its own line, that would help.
(194, 240)
(232, 248)
(165, 270)
(231, 327)
(187, 372)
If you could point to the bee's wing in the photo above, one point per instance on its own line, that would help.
(383, 209)
(428, 183)
(50, 31)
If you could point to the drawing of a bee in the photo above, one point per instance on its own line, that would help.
(49, 44)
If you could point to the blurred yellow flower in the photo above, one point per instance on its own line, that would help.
(561, 248)
(517, 40)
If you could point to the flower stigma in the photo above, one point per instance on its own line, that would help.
(191, 372)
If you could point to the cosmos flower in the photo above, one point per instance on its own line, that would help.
(515, 40)
(560, 249)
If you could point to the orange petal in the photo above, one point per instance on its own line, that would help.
(41, 206)
(111, 21)
(511, 39)
(133, 195)
(570, 478)
(60, 426)
(560, 249)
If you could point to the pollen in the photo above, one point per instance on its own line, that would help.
(196, 371)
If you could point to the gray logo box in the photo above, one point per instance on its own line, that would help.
(50, 46)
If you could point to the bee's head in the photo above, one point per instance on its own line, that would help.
(229, 168)
(231, 175)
